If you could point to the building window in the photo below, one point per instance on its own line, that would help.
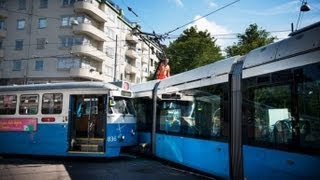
(151, 62)
(110, 33)
(22, 4)
(67, 63)
(2, 24)
(111, 15)
(41, 43)
(39, 65)
(16, 66)
(108, 71)
(69, 2)
(110, 52)
(1, 44)
(68, 41)
(42, 23)
(43, 3)
(21, 23)
(69, 20)
(19, 45)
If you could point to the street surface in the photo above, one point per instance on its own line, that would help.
(122, 168)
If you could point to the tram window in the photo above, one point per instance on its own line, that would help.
(52, 103)
(144, 114)
(210, 111)
(170, 117)
(90, 106)
(309, 105)
(8, 104)
(29, 104)
(122, 106)
(129, 106)
(198, 113)
(203, 117)
(268, 114)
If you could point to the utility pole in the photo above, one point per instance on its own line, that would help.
(115, 60)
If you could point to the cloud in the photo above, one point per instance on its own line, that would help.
(223, 35)
(289, 7)
(177, 2)
(211, 4)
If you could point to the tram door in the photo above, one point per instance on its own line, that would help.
(87, 123)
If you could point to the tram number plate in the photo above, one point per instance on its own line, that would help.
(112, 138)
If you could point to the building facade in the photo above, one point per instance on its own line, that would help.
(44, 41)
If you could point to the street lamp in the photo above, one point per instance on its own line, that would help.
(305, 7)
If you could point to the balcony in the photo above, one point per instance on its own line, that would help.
(89, 51)
(3, 13)
(90, 30)
(130, 69)
(131, 53)
(3, 33)
(1, 53)
(90, 9)
(86, 74)
(131, 38)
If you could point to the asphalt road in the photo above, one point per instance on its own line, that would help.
(122, 168)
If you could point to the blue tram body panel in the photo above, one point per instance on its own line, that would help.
(49, 139)
(121, 134)
(261, 163)
(16, 142)
(204, 155)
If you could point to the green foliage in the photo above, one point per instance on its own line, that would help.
(192, 49)
(253, 38)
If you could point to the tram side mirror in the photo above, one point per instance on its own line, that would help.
(112, 103)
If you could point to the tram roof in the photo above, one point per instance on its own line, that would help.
(69, 85)
(303, 41)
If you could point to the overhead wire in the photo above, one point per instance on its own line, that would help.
(208, 14)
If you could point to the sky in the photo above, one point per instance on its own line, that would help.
(275, 16)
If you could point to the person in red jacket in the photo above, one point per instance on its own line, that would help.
(164, 69)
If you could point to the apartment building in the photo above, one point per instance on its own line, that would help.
(45, 41)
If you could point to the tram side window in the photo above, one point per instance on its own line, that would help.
(29, 104)
(267, 111)
(170, 116)
(144, 114)
(197, 112)
(210, 107)
(8, 104)
(309, 107)
(52, 103)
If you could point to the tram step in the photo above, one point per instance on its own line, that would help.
(99, 141)
(89, 147)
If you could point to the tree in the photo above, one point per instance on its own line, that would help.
(253, 38)
(192, 49)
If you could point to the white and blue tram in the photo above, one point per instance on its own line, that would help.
(66, 119)
(253, 117)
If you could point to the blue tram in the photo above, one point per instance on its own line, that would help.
(66, 119)
(254, 116)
